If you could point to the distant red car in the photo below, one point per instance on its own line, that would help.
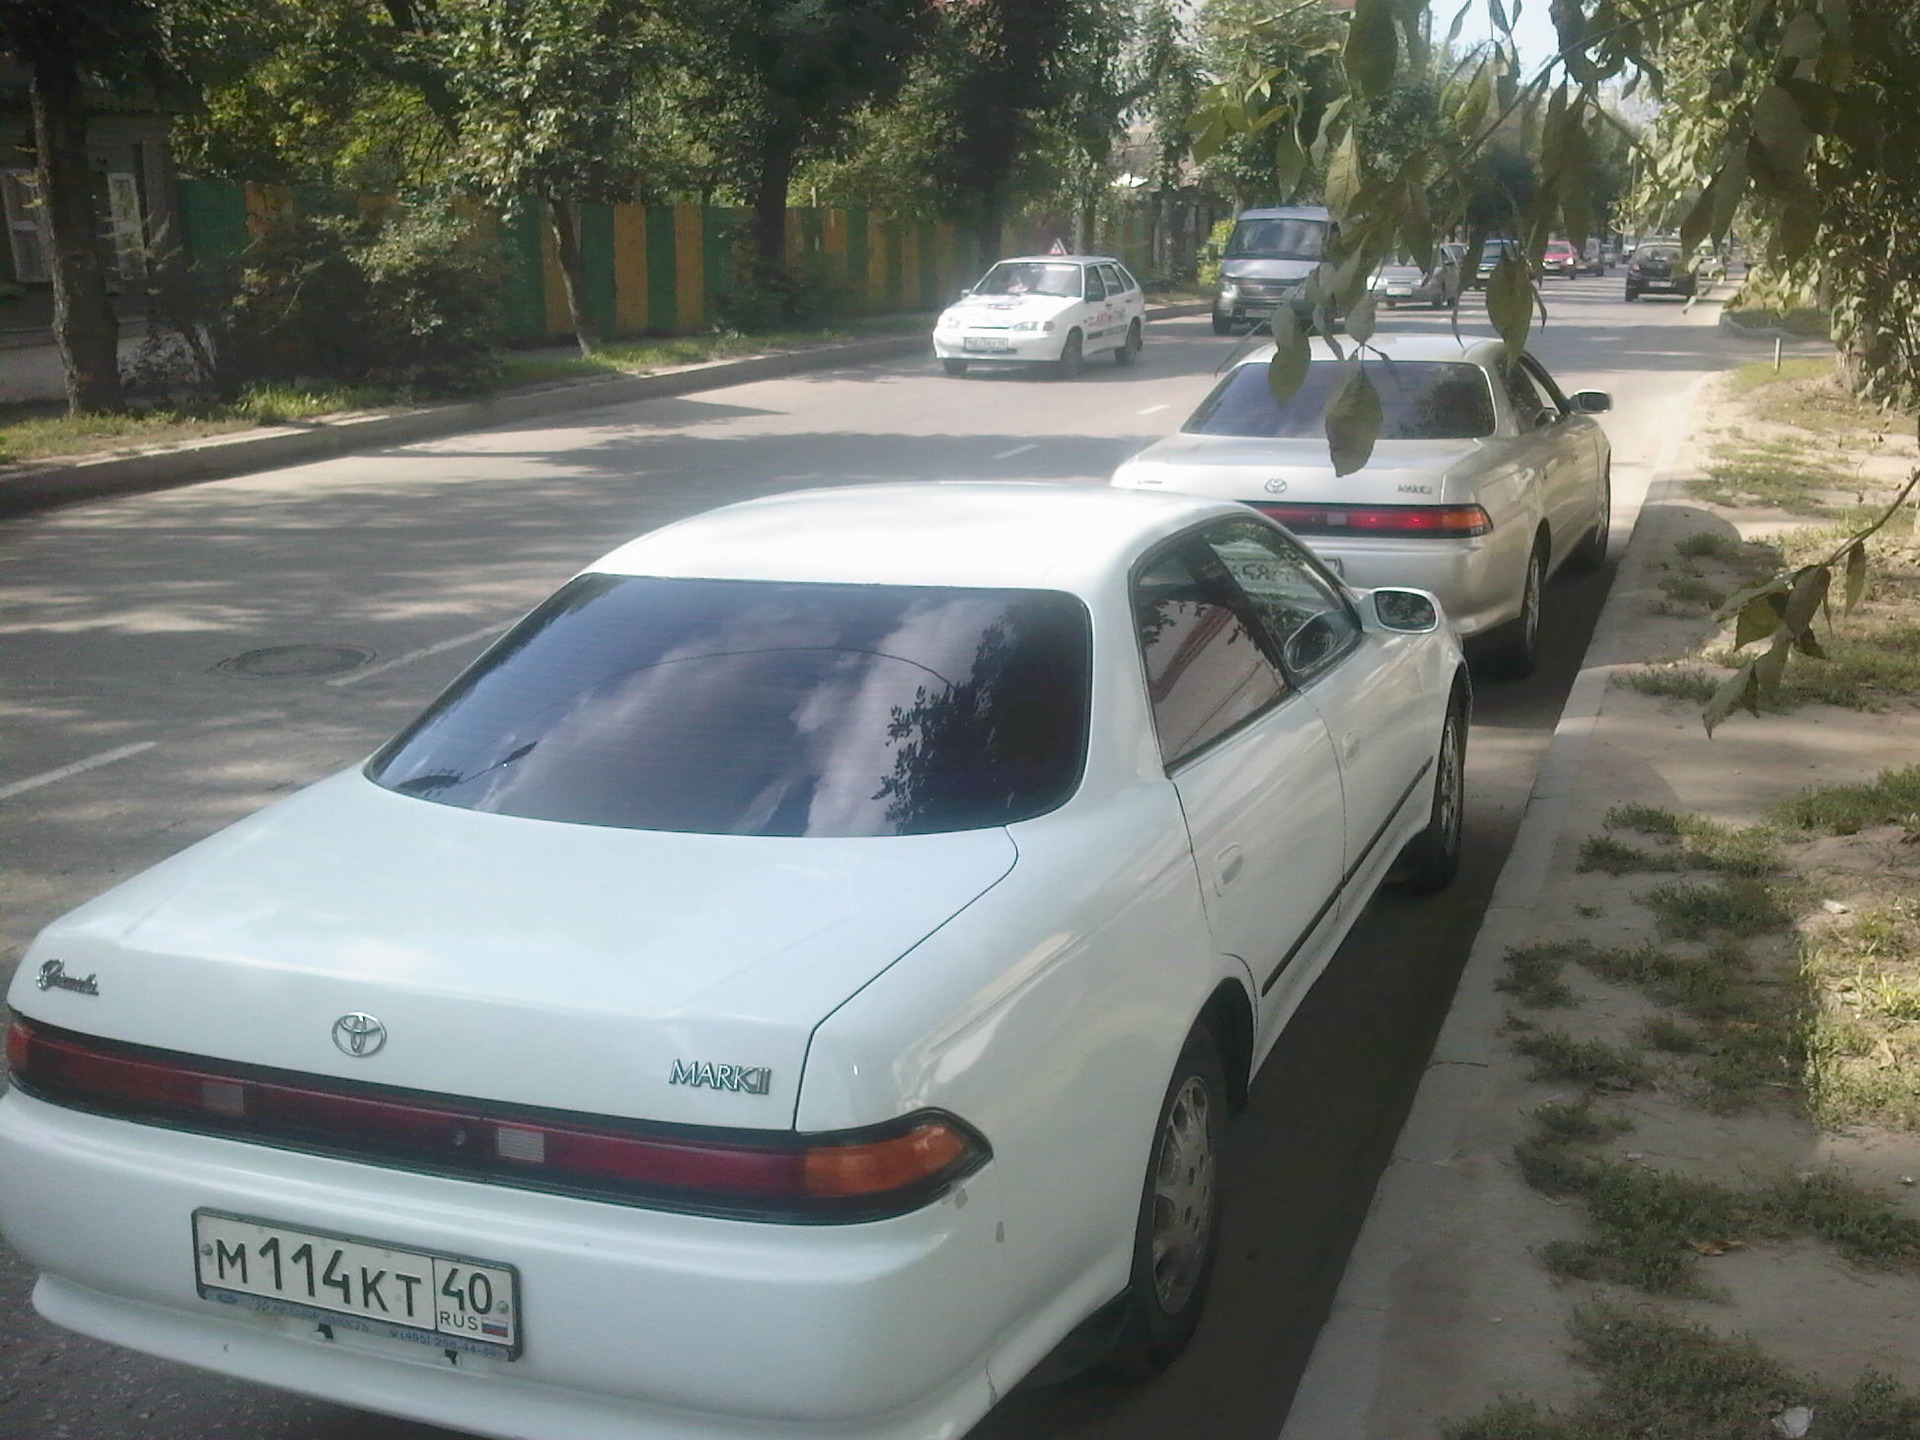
(1561, 259)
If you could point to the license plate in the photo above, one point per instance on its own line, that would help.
(449, 1301)
(1399, 290)
(983, 342)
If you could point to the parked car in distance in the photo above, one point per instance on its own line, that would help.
(1404, 282)
(1050, 310)
(1560, 258)
(1268, 258)
(1595, 258)
(793, 979)
(1659, 267)
(1483, 483)
(1490, 256)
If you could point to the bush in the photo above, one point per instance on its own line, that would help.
(1209, 258)
(765, 298)
(406, 299)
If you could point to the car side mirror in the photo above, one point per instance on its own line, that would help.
(966, 292)
(1590, 402)
(1413, 612)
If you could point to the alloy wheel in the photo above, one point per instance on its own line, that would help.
(1183, 1196)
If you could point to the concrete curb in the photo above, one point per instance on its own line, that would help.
(1336, 1395)
(220, 457)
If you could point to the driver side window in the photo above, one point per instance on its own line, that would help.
(1308, 621)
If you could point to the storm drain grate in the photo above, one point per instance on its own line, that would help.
(281, 661)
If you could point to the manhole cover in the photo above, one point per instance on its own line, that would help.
(282, 660)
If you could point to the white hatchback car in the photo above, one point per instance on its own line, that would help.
(778, 990)
(1483, 484)
(1045, 309)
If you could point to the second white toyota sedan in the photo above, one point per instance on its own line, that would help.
(1052, 310)
(1485, 480)
(794, 978)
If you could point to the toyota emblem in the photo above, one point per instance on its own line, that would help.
(1277, 486)
(359, 1035)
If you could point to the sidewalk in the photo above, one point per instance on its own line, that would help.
(1448, 1306)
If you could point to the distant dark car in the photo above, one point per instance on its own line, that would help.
(1659, 267)
(1490, 254)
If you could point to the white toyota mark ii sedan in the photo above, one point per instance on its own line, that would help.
(782, 988)
(1484, 483)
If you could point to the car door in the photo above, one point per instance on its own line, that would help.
(1567, 454)
(1253, 765)
(1123, 300)
(1097, 323)
(1367, 687)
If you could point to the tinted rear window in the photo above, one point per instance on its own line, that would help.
(1419, 399)
(748, 708)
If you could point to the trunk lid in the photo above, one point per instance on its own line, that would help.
(516, 960)
(1267, 471)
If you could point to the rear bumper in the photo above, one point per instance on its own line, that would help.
(1464, 575)
(637, 1324)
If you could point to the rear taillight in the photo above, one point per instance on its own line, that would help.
(1436, 522)
(861, 1174)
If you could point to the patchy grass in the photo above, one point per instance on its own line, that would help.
(643, 357)
(1695, 590)
(1863, 1061)
(1534, 974)
(1893, 799)
(1664, 1033)
(1775, 474)
(32, 432)
(1804, 393)
(1688, 842)
(1872, 660)
(1659, 1378)
(1648, 1227)
(1808, 322)
(1709, 545)
(1732, 905)
(1559, 1058)
(1798, 370)
(1691, 683)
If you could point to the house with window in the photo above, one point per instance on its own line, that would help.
(135, 185)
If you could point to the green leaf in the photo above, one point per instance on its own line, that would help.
(1758, 619)
(1343, 175)
(1289, 160)
(1360, 321)
(1856, 576)
(1373, 48)
(1739, 690)
(1473, 110)
(1353, 420)
(1805, 599)
(1459, 22)
(1510, 303)
(1292, 353)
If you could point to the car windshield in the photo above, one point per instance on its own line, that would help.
(757, 708)
(1419, 400)
(1662, 254)
(1028, 277)
(1278, 240)
(1494, 249)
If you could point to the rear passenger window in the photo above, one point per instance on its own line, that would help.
(1115, 285)
(1096, 288)
(1206, 673)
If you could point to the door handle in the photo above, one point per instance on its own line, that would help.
(1227, 867)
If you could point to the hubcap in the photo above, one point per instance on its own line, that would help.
(1183, 1196)
(1447, 801)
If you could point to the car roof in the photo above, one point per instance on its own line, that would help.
(1474, 349)
(1285, 212)
(968, 534)
(1058, 260)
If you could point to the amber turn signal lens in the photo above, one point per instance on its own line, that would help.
(879, 1166)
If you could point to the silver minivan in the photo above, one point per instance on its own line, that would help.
(1268, 258)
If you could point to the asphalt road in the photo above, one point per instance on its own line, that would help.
(139, 717)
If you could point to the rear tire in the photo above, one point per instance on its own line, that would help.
(1129, 349)
(1591, 553)
(1514, 650)
(954, 367)
(1067, 367)
(1177, 1233)
(1432, 858)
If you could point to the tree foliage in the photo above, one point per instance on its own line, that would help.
(1777, 117)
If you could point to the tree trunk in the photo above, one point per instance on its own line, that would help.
(770, 203)
(84, 325)
(566, 240)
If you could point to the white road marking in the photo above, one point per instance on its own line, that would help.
(1153, 410)
(412, 655)
(1016, 450)
(79, 767)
